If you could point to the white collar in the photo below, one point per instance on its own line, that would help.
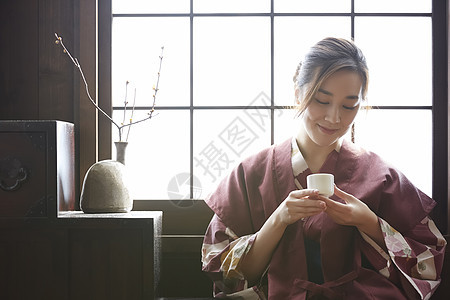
(298, 161)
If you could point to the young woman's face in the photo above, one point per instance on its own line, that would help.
(334, 107)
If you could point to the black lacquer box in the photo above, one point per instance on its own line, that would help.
(37, 176)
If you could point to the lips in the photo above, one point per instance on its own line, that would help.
(326, 130)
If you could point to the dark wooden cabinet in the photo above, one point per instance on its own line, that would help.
(33, 262)
(81, 256)
(37, 168)
(50, 251)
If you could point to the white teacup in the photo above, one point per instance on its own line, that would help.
(322, 182)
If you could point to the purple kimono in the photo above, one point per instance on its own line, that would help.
(353, 265)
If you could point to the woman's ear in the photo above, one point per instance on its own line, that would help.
(297, 96)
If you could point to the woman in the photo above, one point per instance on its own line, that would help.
(272, 238)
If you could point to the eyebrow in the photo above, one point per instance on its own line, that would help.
(350, 97)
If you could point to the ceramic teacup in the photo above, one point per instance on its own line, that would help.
(322, 182)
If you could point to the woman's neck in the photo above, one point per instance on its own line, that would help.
(314, 155)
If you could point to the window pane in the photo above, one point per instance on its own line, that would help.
(285, 126)
(231, 60)
(401, 137)
(147, 6)
(223, 138)
(391, 6)
(289, 6)
(398, 52)
(136, 47)
(157, 151)
(293, 38)
(231, 6)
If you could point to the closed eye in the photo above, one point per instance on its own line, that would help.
(349, 107)
(321, 102)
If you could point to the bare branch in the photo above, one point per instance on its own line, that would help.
(59, 41)
(132, 114)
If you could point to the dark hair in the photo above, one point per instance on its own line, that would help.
(323, 60)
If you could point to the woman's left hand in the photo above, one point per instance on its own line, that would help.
(353, 212)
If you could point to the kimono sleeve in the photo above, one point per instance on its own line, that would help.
(222, 251)
(414, 259)
(415, 247)
(240, 207)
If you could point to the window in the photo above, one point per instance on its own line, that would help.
(226, 81)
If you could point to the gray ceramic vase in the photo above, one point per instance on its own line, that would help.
(106, 186)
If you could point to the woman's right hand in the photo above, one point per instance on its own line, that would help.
(297, 205)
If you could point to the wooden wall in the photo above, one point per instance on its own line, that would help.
(34, 83)
(37, 80)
